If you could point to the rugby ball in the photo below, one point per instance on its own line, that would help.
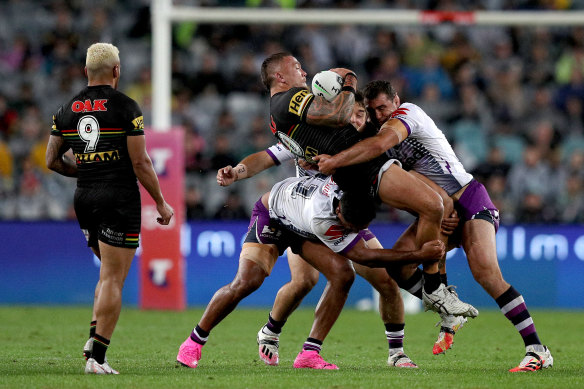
(327, 84)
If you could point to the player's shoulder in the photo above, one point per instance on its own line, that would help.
(291, 102)
(410, 107)
(409, 110)
(294, 91)
(125, 99)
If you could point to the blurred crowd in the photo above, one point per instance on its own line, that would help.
(510, 99)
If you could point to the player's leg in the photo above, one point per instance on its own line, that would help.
(400, 189)
(88, 347)
(115, 264)
(479, 245)
(448, 204)
(303, 278)
(340, 276)
(255, 264)
(391, 309)
(449, 324)
(481, 219)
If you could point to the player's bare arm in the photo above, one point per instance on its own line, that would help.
(390, 134)
(145, 173)
(56, 159)
(334, 114)
(363, 255)
(248, 167)
(338, 112)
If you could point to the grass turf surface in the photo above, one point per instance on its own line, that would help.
(42, 347)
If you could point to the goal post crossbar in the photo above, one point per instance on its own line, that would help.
(388, 17)
(164, 14)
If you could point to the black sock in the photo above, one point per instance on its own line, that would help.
(431, 282)
(274, 325)
(100, 345)
(413, 284)
(92, 328)
(443, 279)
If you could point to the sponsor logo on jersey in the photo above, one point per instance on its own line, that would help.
(290, 144)
(309, 153)
(138, 123)
(89, 106)
(298, 102)
(331, 185)
(399, 111)
(269, 231)
(335, 233)
(104, 156)
(273, 125)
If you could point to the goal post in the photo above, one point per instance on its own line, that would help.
(164, 14)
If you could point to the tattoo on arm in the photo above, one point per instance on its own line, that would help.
(240, 170)
(337, 114)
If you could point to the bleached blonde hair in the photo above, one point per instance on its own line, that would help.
(101, 56)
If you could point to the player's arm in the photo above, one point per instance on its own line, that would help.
(56, 159)
(363, 255)
(248, 167)
(336, 113)
(145, 173)
(391, 134)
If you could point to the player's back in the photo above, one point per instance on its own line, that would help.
(427, 151)
(288, 123)
(95, 125)
(288, 112)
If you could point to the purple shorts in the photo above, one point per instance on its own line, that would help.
(264, 230)
(475, 203)
(366, 234)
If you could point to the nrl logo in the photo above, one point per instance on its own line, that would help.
(290, 144)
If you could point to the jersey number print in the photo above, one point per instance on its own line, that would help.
(88, 130)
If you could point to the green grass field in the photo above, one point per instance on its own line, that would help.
(41, 347)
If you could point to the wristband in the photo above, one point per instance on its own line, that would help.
(349, 88)
(351, 74)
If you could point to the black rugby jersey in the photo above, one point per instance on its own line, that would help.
(95, 124)
(288, 124)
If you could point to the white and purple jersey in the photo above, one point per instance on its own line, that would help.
(281, 154)
(427, 151)
(306, 205)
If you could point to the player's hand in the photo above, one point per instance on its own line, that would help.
(166, 213)
(342, 71)
(307, 165)
(326, 164)
(450, 223)
(226, 176)
(433, 249)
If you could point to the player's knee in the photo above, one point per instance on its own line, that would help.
(306, 284)
(245, 286)
(304, 287)
(388, 289)
(342, 276)
(433, 207)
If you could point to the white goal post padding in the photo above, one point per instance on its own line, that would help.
(164, 13)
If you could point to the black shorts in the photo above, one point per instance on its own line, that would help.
(364, 176)
(264, 230)
(109, 214)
